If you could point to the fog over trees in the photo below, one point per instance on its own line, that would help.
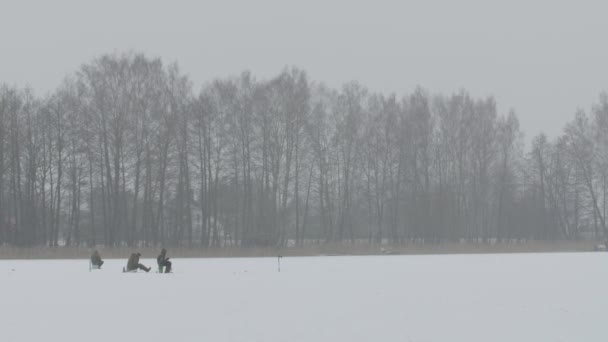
(126, 152)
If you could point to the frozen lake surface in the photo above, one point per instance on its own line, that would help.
(485, 297)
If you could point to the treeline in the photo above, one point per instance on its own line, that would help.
(125, 152)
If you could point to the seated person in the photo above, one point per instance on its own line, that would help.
(133, 263)
(96, 259)
(163, 261)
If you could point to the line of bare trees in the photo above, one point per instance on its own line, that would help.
(124, 152)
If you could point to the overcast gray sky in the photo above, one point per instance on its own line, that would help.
(545, 59)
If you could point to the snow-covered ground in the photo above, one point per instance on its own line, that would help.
(508, 297)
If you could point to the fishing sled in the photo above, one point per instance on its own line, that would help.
(124, 270)
(161, 269)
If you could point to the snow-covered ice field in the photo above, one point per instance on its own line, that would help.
(507, 297)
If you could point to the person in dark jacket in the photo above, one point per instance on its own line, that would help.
(163, 261)
(96, 259)
(133, 263)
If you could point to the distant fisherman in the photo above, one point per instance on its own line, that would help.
(96, 259)
(163, 261)
(133, 263)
